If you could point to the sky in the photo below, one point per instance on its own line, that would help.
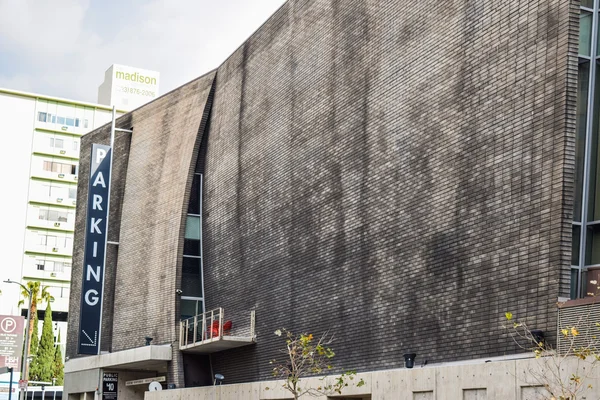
(63, 47)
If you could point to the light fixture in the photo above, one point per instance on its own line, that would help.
(538, 336)
(409, 360)
(218, 377)
(148, 340)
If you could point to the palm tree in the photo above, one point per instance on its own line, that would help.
(39, 294)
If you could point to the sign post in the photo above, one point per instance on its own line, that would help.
(94, 256)
(11, 340)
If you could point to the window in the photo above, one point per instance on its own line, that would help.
(54, 215)
(40, 265)
(73, 193)
(61, 168)
(57, 143)
(75, 145)
(586, 207)
(61, 120)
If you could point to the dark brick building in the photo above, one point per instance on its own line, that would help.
(400, 173)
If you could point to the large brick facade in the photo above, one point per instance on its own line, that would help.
(400, 173)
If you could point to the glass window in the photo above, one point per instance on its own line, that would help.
(191, 282)
(575, 245)
(57, 143)
(73, 193)
(192, 228)
(194, 205)
(85, 123)
(60, 120)
(587, 3)
(582, 102)
(191, 247)
(75, 145)
(40, 265)
(70, 121)
(76, 122)
(42, 116)
(592, 246)
(585, 32)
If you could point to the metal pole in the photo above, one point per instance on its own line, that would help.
(10, 384)
(112, 128)
(24, 369)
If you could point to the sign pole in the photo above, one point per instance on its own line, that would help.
(10, 384)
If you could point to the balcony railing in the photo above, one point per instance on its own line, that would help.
(213, 331)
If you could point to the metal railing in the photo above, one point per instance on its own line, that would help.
(214, 325)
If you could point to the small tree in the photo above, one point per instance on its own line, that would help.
(306, 356)
(580, 356)
(58, 374)
(42, 366)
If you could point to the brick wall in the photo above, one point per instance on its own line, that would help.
(397, 172)
(150, 192)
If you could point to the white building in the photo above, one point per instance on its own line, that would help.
(40, 164)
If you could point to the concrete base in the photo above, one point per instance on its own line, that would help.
(520, 379)
(83, 376)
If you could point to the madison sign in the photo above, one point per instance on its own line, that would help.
(94, 257)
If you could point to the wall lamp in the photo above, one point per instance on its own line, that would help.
(409, 360)
(218, 378)
(148, 340)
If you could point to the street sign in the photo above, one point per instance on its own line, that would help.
(110, 386)
(146, 380)
(94, 255)
(22, 384)
(11, 340)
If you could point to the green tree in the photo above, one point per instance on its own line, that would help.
(58, 364)
(42, 365)
(39, 294)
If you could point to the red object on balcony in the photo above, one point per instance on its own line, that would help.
(213, 331)
(227, 327)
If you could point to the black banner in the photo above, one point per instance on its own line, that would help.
(110, 386)
(94, 257)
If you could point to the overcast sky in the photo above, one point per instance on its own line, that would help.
(62, 47)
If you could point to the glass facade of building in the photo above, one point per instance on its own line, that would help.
(586, 211)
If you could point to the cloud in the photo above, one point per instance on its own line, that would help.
(62, 48)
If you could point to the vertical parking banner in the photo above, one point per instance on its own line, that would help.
(94, 256)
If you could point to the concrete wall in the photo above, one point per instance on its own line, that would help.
(498, 380)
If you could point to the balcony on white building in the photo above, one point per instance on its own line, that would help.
(56, 144)
(54, 168)
(51, 218)
(49, 242)
(52, 193)
(46, 268)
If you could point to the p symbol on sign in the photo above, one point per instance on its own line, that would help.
(8, 325)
